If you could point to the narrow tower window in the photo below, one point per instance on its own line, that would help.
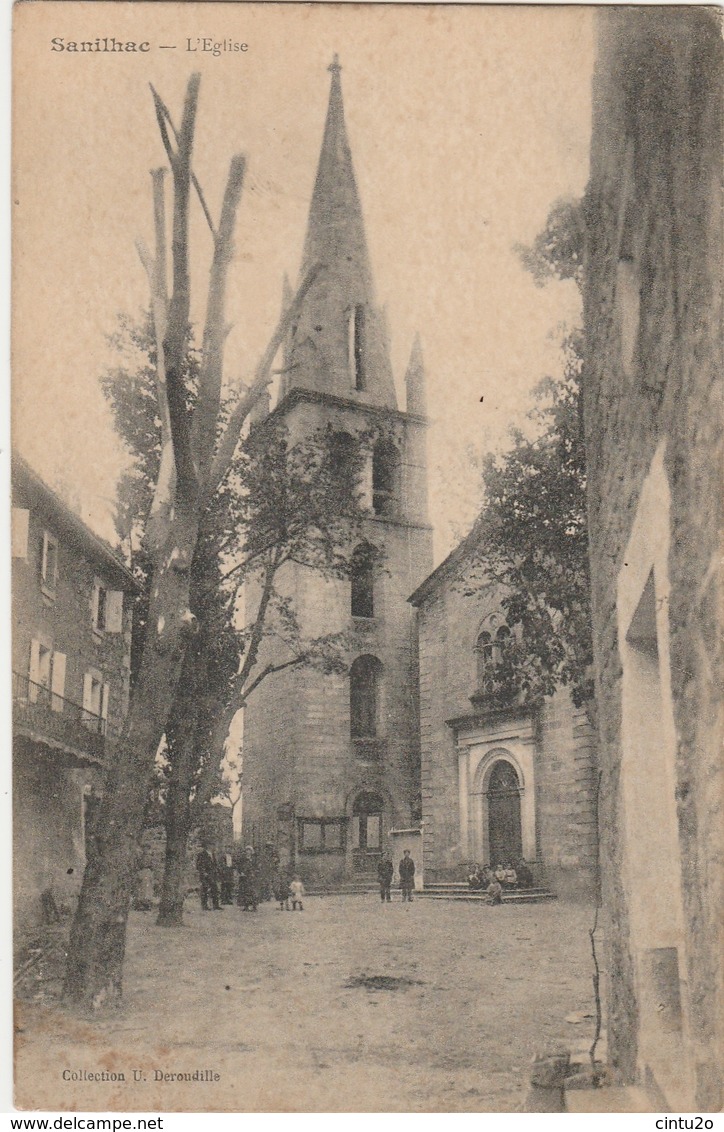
(364, 690)
(385, 478)
(355, 347)
(362, 579)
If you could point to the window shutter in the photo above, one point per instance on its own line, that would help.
(105, 696)
(34, 671)
(114, 611)
(20, 525)
(94, 603)
(58, 681)
(88, 692)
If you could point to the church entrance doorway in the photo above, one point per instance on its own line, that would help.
(504, 826)
(367, 812)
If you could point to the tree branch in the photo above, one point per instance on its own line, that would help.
(257, 632)
(161, 115)
(194, 178)
(262, 377)
(175, 340)
(215, 331)
(155, 267)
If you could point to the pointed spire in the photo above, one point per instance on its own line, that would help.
(339, 346)
(335, 230)
(415, 380)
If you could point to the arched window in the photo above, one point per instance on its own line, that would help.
(484, 651)
(342, 455)
(364, 692)
(385, 477)
(363, 580)
(502, 640)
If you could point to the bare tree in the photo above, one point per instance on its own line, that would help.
(193, 465)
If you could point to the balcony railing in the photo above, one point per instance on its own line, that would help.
(40, 710)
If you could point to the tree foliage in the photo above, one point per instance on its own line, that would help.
(531, 539)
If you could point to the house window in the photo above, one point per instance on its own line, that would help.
(355, 347)
(47, 676)
(321, 835)
(362, 581)
(49, 565)
(100, 603)
(95, 702)
(364, 694)
(385, 477)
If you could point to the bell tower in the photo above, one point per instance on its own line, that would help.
(331, 763)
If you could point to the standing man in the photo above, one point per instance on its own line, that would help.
(208, 878)
(385, 869)
(248, 896)
(406, 870)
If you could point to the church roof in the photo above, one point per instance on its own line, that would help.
(449, 567)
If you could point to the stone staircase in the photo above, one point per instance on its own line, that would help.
(456, 890)
(365, 883)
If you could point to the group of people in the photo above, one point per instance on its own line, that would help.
(406, 872)
(495, 880)
(220, 877)
(225, 876)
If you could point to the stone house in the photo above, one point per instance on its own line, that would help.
(500, 779)
(653, 414)
(331, 762)
(72, 612)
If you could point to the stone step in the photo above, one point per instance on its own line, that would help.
(525, 896)
(451, 887)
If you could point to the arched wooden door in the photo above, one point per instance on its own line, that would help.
(504, 829)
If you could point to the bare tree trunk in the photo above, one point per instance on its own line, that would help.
(178, 831)
(181, 737)
(97, 943)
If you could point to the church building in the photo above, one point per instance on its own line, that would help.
(331, 763)
(501, 779)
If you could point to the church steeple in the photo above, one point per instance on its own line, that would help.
(335, 228)
(338, 345)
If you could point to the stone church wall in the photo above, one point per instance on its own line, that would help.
(565, 844)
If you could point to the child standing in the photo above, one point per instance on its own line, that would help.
(296, 891)
(280, 885)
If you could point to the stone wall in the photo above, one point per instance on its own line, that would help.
(653, 393)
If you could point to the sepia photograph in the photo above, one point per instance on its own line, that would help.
(366, 473)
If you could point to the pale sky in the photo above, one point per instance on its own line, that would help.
(466, 124)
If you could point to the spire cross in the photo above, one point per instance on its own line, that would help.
(335, 66)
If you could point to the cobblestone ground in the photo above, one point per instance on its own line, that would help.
(349, 1005)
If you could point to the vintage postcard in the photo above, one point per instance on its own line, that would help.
(365, 528)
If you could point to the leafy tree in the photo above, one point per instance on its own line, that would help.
(279, 502)
(532, 538)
